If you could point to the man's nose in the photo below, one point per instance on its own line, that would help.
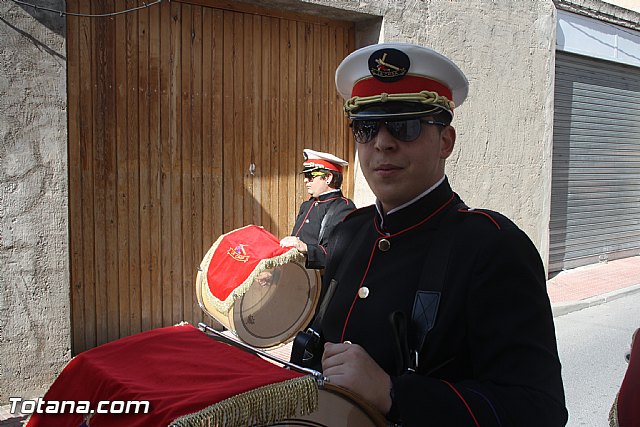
(383, 140)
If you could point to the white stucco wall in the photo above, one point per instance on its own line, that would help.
(34, 281)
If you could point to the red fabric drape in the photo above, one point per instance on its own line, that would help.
(178, 369)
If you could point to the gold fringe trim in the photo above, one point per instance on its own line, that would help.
(613, 413)
(223, 306)
(424, 97)
(262, 406)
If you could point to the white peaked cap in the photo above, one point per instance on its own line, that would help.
(396, 73)
(318, 160)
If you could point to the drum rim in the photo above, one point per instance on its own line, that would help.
(372, 412)
(228, 319)
(302, 320)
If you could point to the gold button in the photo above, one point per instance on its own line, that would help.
(384, 245)
(363, 292)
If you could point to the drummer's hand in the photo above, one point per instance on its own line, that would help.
(351, 367)
(295, 242)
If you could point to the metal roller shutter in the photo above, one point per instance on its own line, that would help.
(595, 196)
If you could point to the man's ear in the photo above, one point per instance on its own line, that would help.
(328, 177)
(447, 141)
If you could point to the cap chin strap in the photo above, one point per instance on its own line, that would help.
(424, 97)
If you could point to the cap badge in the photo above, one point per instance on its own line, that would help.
(388, 65)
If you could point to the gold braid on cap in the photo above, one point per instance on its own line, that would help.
(423, 97)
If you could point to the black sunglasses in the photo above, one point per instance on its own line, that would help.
(310, 175)
(404, 130)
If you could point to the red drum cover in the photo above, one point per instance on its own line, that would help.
(256, 288)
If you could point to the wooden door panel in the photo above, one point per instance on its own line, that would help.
(169, 108)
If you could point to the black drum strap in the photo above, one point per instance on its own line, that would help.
(431, 284)
(305, 350)
(328, 218)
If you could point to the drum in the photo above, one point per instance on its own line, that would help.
(191, 380)
(258, 290)
(338, 407)
(333, 405)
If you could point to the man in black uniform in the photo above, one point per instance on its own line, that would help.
(438, 314)
(326, 207)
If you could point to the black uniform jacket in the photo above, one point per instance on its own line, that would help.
(316, 219)
(491, 358)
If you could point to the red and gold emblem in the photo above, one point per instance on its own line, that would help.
(238, 253)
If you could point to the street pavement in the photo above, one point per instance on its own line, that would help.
(592, 344)
(568, 291)
(594, 284)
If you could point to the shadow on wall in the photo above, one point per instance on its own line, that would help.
(17, 421)
(53, 21)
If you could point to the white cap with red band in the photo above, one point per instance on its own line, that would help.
(399, 79)
(314, 160)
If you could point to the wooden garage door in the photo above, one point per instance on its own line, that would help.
(185, 122)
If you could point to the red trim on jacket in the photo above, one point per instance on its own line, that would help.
(472, 210)
(463, 401)
(373, 251)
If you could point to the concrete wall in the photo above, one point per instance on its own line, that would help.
(34, 280)
(618, 12)
(627, 4)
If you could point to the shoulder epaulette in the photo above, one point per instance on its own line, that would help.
(491, 215)
(358, 212)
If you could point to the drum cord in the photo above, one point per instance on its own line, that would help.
(208, 330)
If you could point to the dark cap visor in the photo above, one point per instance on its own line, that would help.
(315, 169)
(399, 110)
